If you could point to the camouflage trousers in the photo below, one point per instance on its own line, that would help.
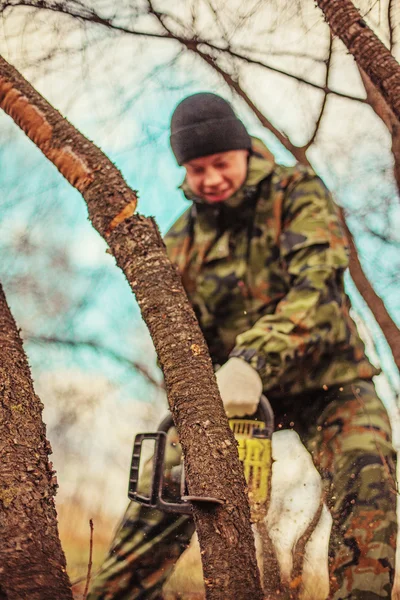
(347, 431)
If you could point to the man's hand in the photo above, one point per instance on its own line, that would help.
(240, 387)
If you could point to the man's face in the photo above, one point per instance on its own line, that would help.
(217, 177)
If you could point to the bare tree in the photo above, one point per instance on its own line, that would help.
(207, 441)
(218, 46)
(32, 561)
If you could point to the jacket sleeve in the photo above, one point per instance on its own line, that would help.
(308, 321)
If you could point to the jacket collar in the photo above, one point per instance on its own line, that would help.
(261, 164)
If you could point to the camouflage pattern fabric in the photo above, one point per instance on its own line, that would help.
(264, 273)
(347, 431)
(142, 556)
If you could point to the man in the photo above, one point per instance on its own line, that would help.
(262, 258)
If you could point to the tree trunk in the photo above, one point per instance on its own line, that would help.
(212, 463)
(369, 52)
(31, 558)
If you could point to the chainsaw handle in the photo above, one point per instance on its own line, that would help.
(160, 440)
(155, 497)
(264, 409)
(267, 415)
(166, 423)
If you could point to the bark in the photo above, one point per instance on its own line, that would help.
(31, 557)
(386, 323)
(369, 52)
(224, 530)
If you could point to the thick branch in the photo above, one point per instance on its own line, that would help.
(369, 52)
(208, 444)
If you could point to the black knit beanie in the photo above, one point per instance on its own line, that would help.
(205, 124)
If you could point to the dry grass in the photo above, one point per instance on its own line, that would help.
(74, 531)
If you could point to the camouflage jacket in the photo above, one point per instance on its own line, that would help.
(264, 273)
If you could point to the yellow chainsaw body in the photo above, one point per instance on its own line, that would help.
(255, 455)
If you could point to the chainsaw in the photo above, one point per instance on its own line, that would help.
(253, 437)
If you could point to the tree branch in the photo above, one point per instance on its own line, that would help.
(325, 97)
(369, 52)
(221, 27)
(280, 53)
(374, 302)
(207, 441)
(303, 80)
(384, 112)
(297, 152)
(189, 43)
(32, 561)
(390, 24)
(90, 562)
(380, 236)
(43, 339)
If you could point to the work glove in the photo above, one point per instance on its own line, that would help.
(240, 387)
